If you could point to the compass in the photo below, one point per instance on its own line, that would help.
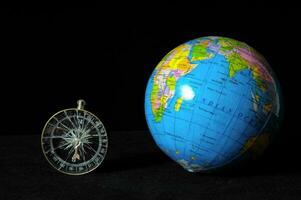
(74, 141)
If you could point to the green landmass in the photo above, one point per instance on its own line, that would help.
(199, 52)
(171, 82)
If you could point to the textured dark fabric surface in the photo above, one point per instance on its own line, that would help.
(136, 169)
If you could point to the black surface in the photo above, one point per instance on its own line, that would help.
(136, 169)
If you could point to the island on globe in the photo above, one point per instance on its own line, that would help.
(210, 101)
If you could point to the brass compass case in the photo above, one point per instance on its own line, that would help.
(74, 141)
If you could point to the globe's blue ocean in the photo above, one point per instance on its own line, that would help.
(212, 127)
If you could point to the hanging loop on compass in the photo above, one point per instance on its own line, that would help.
(81, 104)
(74, 141)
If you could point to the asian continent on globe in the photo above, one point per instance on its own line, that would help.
(210, 101)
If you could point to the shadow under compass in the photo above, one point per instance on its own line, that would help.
(131, 151)
(141, 160)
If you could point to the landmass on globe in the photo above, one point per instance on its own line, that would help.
(209, 100)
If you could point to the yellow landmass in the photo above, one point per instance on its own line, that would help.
(257, 77)
(199, 51)
(257, 97)
(177, 60)
(256, 146)
(180, 60)
(178, 104)
(236, 64)
(267, 108)
(171, 82)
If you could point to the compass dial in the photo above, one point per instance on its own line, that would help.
(74, 141)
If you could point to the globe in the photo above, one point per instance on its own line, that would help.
(211, 101)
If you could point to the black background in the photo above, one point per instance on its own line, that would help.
(51, 57)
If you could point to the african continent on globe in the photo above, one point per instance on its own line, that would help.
(211, 100)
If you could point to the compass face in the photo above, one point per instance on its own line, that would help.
(74, 141)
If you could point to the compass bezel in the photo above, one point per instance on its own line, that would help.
(100, 146)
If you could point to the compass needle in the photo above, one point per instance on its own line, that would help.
(76, 154)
